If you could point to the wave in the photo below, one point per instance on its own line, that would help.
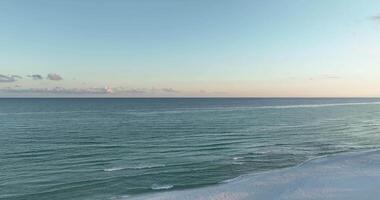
(232, 179)
(148, 166)
(119, 197)
(161, 187)
(113, 169)
(48, 112)
(238, 158)
(245, 108)
(317, 105)
(345, 176)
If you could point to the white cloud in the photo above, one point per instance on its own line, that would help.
(54, 77)
(9, 78)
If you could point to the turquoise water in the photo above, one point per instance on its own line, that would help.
(108, 148)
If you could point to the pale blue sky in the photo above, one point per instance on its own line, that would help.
(190, 48)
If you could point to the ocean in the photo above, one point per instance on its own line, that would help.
(116, 148)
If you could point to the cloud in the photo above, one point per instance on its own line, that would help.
(123, 90)
(54, 77)
(324, 77)
(36, 77)
(376, 17)
(55, 90)
(107, 90)
(16, 76)
(9, 78)
(143, 91)
(169, 90)
(60, 90)
(132, 91)
(163, 90)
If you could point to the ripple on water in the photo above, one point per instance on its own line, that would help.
(161, 187)
(148, 166)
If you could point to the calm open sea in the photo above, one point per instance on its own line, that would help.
(92, 149)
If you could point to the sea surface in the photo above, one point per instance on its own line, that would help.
(95, 149)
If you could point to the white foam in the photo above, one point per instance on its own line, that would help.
(119, 197)
(113, 169)
(161, 187)
(232, 179)
(147, 166)
(348, 176)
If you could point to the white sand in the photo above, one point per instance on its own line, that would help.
(345, 176)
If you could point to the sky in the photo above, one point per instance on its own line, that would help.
(182, 48)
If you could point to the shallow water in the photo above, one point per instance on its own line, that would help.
(108, 148)
(346, 176)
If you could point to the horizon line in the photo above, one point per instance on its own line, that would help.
(197, 97)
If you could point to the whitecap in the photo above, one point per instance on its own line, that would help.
(113, 169)
(231, 180)
(237, 158)
(147, 166)
(161, 187)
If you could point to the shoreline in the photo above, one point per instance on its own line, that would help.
(348, 175)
